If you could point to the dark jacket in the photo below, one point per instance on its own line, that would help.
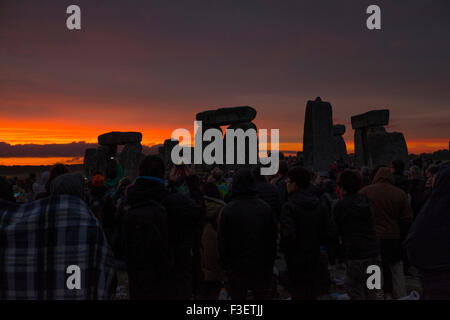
(393, 213)
(247, 236)
(354, 219)
(305, 226)
(183, 217)
(402, 182)
(209, 259)
(428, 241)
(270, 194)
(418, 196)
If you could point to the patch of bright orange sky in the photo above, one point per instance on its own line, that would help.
(60, 133)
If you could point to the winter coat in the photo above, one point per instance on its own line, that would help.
(353, 216)
(247, 236)
(210, 266)
(393, 213)
(305, 226)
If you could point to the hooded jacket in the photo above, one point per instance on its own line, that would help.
(393, 213)
(71, 184)
(305, 225)
(183, 217)
(247, 230)
(428, 241)
(354, 219)
(210, 265)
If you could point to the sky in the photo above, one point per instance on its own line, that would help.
(150, 66)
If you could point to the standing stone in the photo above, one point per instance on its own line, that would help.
(119, 138)
(130, 157)
(373, 145)
(226, 116)
(168, 146)
(96, 160)
(340, 148)
(318, 135)
(244, 126)
(90, 161)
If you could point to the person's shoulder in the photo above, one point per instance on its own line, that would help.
(263, 204)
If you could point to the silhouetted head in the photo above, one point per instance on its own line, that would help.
(283, 168)
(256, 172)
(349, 181)
(210, 189)
(243, 183)
(57, 170)
(6, 190)
(152, 166)
(71, 184)
(297, 178)
(397, 167)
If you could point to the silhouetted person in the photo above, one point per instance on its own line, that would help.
(213, 273)
(247, 240)
(57, 170)
(416, 189)
(6, 190)
(355, 222)
(305, 225)
(401, 181)
(71, 184)
(267, 192)
(159, 235)
(393, 216)
(428, 241)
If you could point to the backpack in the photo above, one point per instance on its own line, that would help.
(144, 238)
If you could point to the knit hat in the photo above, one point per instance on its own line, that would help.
(98, 180)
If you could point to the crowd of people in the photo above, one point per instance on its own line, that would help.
(181, 233)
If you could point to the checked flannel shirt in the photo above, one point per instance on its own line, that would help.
(41, 239)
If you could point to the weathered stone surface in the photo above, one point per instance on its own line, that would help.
(226, 116)
(374, 146)
(338, 129)
(119, 138)
(340, 149)
(317, 136)
(244, 126)
(130, 158)
(90, 159)
(372, 118)
(96, 160)
(168, 146)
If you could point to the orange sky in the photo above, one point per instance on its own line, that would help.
(150, 66)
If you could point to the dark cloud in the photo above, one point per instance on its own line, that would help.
(74, 149)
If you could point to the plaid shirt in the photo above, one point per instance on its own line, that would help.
(41, 239)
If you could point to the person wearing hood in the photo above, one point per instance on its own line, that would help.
(213, 274)
(71, 184)
(267, 192)
(247, 240)
(164, 224)
(428, 241)
(393, 216)
(305, 226)
(353, 216)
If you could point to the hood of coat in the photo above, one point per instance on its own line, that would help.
(384, 174)
(305, 198)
